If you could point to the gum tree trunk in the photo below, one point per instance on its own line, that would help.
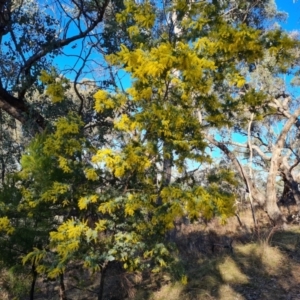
(271, 197)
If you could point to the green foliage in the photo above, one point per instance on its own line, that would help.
(57, 180)
(16, 282)
(221, 176)
(44, 194)
(177, 270)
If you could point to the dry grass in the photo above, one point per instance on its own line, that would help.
(262, 257)
(169, 291)
(13, 284)
(226, 292)
(256, 270)
(231, 273)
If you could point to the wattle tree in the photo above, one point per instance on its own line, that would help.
(115, 192)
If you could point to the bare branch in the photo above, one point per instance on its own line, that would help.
(51, 46)
(257, 195)
(254, 147)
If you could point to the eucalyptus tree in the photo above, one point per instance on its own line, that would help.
(266, 135)
(243, 119)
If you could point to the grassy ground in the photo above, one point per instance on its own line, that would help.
(253, 271)
(259, 266)
(220, 262)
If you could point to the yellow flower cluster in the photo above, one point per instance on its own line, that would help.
(141, 12)
(129, 160)
(84, 201)
(6, 226)
(91, 174)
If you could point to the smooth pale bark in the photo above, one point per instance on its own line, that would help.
(255, 148)
(251, 173)
(270, 200)
(167, 171)
(271, 197)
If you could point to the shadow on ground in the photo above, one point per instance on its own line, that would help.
(212, 262)
(236, 265)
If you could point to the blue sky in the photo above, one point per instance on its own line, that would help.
(292, 7)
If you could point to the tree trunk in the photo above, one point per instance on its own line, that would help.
(62, 289)
(34, 276)
(102, 278)
(167, 171)
(295, 190)
(271, 197)
(250, 187)
(290, 183)
(272, 208)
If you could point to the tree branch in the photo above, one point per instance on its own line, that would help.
(49, 47)
(258, 197)
(17, 106)
(254, 147)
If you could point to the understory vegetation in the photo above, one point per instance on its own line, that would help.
(264, 266)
